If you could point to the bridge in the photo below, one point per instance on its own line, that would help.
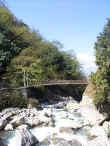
(50, 83)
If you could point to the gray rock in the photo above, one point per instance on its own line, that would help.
(72, 106)
(1, 143)
(3, 123)
(27, 138)
(99, 137)
(89, 111)
(66, 130)
(17, 121)
(8, 127)
(32, 122)
(67, 143)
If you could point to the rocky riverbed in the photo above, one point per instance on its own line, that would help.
(61, 124)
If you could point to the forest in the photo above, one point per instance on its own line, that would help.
(101, 79)
(26, 58)
(23, 49)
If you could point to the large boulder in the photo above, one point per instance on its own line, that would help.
(88, 109)
(27, 139)
(17, 121)
(98, 137)
(3, 123)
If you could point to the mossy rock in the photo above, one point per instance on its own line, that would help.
(33, 102)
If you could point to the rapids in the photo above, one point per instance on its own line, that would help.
(67, 126)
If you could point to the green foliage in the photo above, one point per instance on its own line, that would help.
(24, 50)
(101, 79)
(102, 46)
(100, 98)
(13, 100)
(26, 58)
(108, 131)
(12, 39)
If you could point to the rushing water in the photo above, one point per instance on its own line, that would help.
(62, 118)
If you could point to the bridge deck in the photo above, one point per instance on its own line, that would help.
(61, 82)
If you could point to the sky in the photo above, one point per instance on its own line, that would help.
(75, 23)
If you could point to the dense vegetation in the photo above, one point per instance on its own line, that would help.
(24, 51)
(14, 99)
(27, 58)
(101, 79)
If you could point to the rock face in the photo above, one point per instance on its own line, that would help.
(88, 109)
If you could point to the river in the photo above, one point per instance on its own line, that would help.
(67, 126)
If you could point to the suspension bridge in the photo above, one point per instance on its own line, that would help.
(50, 83)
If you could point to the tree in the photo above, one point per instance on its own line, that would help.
(102, 46)
(101, 79)
(26, 56)
(12, 39)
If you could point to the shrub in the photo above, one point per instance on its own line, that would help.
(100, 79)
(100, 98)
(14, 99)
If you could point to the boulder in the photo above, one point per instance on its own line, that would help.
(66, 130)
(27, 139)
(99, 137)
(72, 106)
(8, 127)
(61, 115)
(45, 142)
(87, 108)
(67, 143)
(17, 121)
(60, 105)
(32, 121)
(3, 123)
(22, 127)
